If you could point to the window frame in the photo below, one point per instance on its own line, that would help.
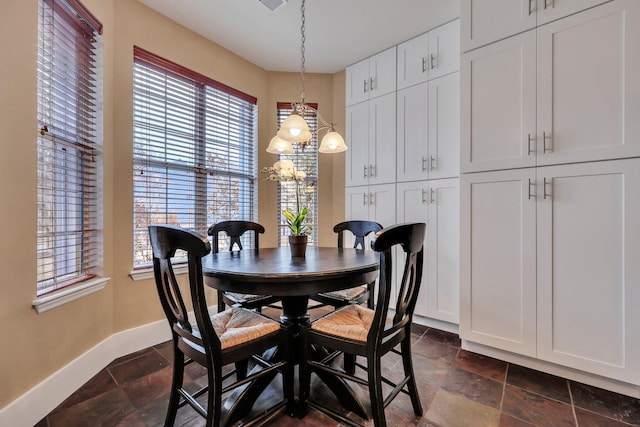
(206, 129)
(69, 147)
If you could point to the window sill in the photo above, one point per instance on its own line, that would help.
(68, 294)
(147, 272)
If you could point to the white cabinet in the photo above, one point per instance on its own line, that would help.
(588, 270)
(374, 203)
(580, 105)
(372, 77)
(487, 21)
(371, 137)
(436, 203)
(430, 55)
(548, 264)
(498, 112)
(498, 260)
(428, 124)
(588, 109)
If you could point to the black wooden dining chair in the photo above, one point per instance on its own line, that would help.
(234, 231)
(231, 336)
(354, 329)
(357, 294)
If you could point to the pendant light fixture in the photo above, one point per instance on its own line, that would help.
(295, 130)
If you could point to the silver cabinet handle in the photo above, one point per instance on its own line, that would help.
(364, 174)
(432, 196)
(372, 171)
(544, 188)
(529, 189)
(431, 160)
(553, 4)
(424, 64)
(365, 86)
(530, 10)
(424, 164)
(364, 199)
(529, 139)
(433, 60)
(544, 142)
(372, 199)
(371, 86)
(424, 196)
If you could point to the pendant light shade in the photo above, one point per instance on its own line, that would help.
(295, 129)
(332, 142)
(279, 146)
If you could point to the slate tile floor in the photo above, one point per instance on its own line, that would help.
(457, 388)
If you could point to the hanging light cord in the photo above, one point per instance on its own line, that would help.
(302, 58)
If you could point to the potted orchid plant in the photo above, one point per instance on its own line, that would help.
(285, 170)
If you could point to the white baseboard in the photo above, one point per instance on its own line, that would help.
(35, 404)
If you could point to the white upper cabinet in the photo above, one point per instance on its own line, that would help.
(430, 55)
(498, 112)
(429, 130)
(566, 92)
(371, 136)
(371, 77)
(588, 105)
(493, 20)
(487, 21)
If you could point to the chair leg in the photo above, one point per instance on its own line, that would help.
(375, 390)
(176, 384)
(349, 363)
(288, 378)
(242, 366)
(221, 304)
(407, 362)
(305, 373)
(214, 398)
(371, 299)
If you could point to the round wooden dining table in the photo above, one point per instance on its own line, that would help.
(273, 271)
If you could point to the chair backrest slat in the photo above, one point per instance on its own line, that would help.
(234, 230)
(360, 229)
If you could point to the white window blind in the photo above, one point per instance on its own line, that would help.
(307, 161)
(194, 151)
(69, 145)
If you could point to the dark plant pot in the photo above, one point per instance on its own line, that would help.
(298, 245)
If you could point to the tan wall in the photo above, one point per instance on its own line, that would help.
(34, 346)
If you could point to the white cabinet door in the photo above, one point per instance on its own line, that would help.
(442, 257)
(498, 260)
(444, 49)
(588, 268)
(357, 82)
(382, 72)
(413, 133)
(382, 139)
(486, 21)
(357, 203)
(357, 138)
(413, 61)
(589, 85)
(437, 203)
(550, 10)
(498, 112)
(371, 77)
(374, 203)
(444, 127)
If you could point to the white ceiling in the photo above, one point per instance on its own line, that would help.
(338, 32)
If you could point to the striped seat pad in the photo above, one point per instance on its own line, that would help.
(238, 325)
(351, 322)
(347, 294)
